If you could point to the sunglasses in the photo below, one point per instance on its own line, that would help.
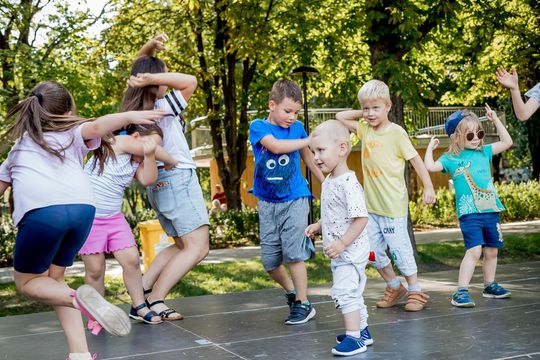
(470, 136)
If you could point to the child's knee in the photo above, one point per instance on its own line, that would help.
(490, 252)
(474, 252)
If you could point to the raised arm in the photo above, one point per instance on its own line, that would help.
(510, 81)
(309, 160)
(283, 146)
(349, 118)
(107, 124)
(185, 83)
(128, 144)
(153, 45)
(429, 192)
(147, 172)
(431, 165)
(505, 140)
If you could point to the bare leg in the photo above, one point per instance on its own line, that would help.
(195, 248)
(158, 264)
(352, 320)
(387, 273)
(299, 279)
(50, 288)
(489, 264)
(281, 276)
(128, 258)
(94, 271)
(466, 269)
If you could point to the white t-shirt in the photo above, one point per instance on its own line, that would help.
(174, 141)
(110, 185)
(40, 179)
(342, 200)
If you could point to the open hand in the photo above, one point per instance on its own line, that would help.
(506, 79)
(145, 117)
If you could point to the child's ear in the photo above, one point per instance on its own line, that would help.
(272, 105)
(136, 135)
(343, 148)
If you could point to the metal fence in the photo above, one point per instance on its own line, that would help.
(428, 123)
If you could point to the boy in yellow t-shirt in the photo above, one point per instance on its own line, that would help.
(385, 148)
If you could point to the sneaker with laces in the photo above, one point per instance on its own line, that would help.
(461, 298)
(391, 296)
(291, 297)
(349, 346)
(364, 335)
(496, 291)
(300, 313)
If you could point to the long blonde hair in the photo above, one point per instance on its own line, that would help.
(44, 110)
(458, 138)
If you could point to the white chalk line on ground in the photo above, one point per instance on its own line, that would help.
(518, 356)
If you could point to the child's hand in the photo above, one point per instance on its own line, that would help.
(433, 143)
(312, 229)
(159, 40)
(149, 147)
(490, 114)
(334, 249)
(429, 196)
(507, 80)
(139, 81)
(146, 117)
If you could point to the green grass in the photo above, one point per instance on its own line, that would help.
(246, 275)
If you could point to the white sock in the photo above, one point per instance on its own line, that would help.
(356, 334)
(415, 287)
(394, 283)
(80, 356)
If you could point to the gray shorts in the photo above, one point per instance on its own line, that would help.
(282, 227)
(177, 198)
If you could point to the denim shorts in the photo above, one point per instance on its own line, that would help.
(282, 226)
(481, 229)
(177, 198)
(51, 235)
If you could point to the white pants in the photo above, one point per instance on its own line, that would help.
(348, 288)
(385, 232)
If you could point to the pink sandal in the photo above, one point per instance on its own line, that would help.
(101, 313)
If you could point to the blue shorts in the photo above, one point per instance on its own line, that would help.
(482, 229)
(177, 198)
(51, 235)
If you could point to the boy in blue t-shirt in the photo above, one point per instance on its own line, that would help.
(468, 161)
(278, 142)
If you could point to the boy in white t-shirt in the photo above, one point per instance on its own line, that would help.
(343, 221)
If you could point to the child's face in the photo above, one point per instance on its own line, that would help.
(285, 113)
(475, 134)
(327, 153)
(375, 112)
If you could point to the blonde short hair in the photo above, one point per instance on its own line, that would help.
(374, 90)
(335, 131)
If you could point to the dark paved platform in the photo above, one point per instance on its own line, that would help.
(250, 325)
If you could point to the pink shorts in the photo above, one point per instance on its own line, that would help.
(108, 235)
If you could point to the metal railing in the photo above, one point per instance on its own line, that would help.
(426, 124)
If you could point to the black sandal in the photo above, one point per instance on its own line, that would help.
(165, 314)
(147, 318)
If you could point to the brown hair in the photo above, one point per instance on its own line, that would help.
(45, 110)
(458, 138)
(142, 98)
(285, 89)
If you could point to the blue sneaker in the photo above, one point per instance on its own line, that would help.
(300, 313)
(291, 297)
(364, 335)
(461, 298)
(349, 346)
(496, 291)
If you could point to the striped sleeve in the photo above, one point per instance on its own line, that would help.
(173, 103)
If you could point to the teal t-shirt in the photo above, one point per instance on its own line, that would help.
(471, 173)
